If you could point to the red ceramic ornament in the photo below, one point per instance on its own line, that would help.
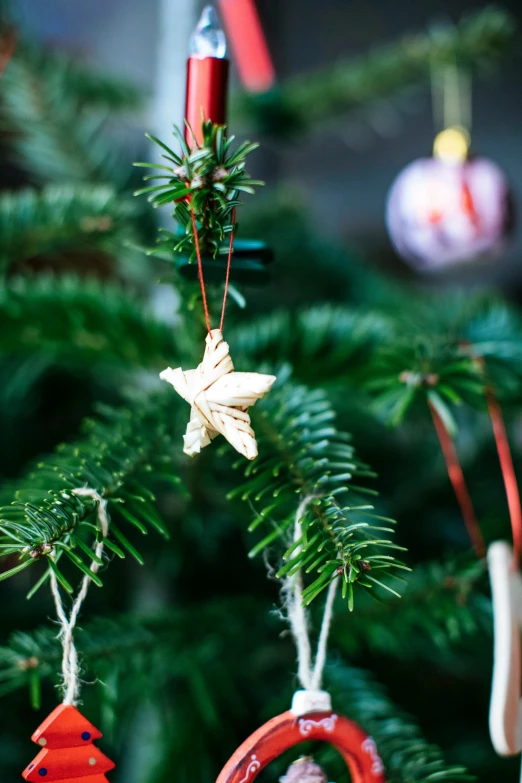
(279, 734)
(68, 753)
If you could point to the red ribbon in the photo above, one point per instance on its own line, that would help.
(200, 270)
(505, 458)
(458, 482)
(508, 472)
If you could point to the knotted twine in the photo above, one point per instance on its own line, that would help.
(310, 674)
(70, 667)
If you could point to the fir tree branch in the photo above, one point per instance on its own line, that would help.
(60, 217)
(406, 755)
(124, 641)
(304, 455)
(339, 343)
(123, 455)
(307, 101)
(79, 320)
(412, 372)
(162, 644)
(441, 606)
(432, 358)
(401, 628)
(54, 131)
(491, 330)
(205, 181)
(167, 646)
(88, 86)
(330, 342)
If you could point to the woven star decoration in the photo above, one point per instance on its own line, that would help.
(219, 399)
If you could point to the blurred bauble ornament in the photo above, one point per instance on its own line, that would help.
(304, 770)
(449, 208)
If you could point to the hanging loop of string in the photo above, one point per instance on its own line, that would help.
(70, 667)
(310, 674)
(229, 264)
(10, 41)
(451, 95)
(506, 466)
(200, 271)
(456, 476)
(508, 472)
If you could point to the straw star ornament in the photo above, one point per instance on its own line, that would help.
(219, 399)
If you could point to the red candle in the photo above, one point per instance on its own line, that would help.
(249, 45)
(207, 76)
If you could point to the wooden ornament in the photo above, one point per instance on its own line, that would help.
(219, 399)
(505, 712)
(283, 732)
(65, 727)
(68, 753)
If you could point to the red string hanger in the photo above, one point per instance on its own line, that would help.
(458, 482)
(200, 271)
(508, 472)
(8, 42)
(219, 396)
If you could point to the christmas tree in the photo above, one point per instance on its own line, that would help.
(181, 640)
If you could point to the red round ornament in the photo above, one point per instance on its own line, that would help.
(283, 732)
(446, 210)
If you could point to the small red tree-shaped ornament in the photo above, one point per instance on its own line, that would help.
(68, 754)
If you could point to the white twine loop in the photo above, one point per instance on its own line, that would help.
(70, 668)
(310, 674)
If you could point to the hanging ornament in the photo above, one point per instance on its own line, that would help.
(293, 727)
(304, 770)
(219, 397)
(443, 210)
(68, 753)
(66, 737)
(452, 207)
(311, 716)
(505, 712)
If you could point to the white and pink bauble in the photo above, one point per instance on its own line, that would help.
(442, 211)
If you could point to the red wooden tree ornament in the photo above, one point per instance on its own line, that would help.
(67, 754)
(281, 733)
